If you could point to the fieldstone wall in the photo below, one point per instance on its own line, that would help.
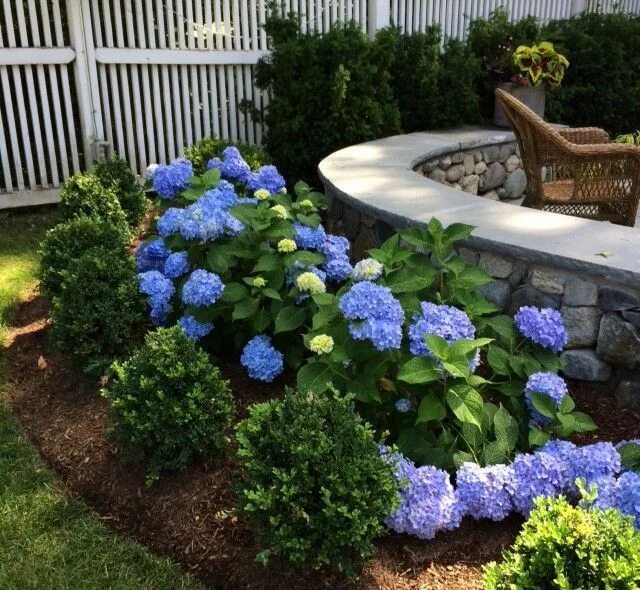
(493, 172)
(602, 319)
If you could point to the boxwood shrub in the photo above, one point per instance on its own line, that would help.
(211, 147)
(115, 173)
(567, 547)
(97, 309)
(169, 402)
(69, 240)
(313, 482)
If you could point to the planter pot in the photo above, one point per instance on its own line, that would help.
(534, 98)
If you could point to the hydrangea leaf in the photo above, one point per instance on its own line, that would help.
(466, 403)
(315, 377)
(543, 404)
(323, 317)
(419, 370)
(266, 263)
(498, 359)
(567, 405)
(431, 408)
(245, 309)
(506, 429)
(504, 327)
(494, 454)
(289, 319)
(406, 281)
(630, 455)
(583, 422)
(537, 438)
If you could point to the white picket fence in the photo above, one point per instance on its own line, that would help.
(144, 78)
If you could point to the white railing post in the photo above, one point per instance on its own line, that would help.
(86, 75)
(378, 16)
(578, 7)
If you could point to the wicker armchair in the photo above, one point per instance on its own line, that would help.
(575, 171)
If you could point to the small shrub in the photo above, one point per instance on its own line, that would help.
(434, 89)
(314, 484)
(116, 174)
(84, 194)
(69, 240)
(211, 147)
(567, 547)
(170, 402)
(326, 92)
(97, 308)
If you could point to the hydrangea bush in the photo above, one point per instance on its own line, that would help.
(240, 263)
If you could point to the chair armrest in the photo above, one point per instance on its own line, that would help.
(585, 135)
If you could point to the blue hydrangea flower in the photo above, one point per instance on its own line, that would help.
(235, 168)
(628, 495)
(169, 222)
(563, 451)
(202, 288)
(607, 493)
(151, 255)
(266, 177)
(545, 327)
(549, 384)
(368, 269)
(208, 219)
(310, 238)
(231, 152)
(262, 361)
(214, 163)
(193, 329)
(336, 251)
(403, 405)
(176, 265)
(171, 179)
(379, 313)
(159, 290)
(485, 492)
(595, 461)
(428, 502)
(539, 474)
(445, 321)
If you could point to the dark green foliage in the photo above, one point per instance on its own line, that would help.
(116, 174)
(327, 91)
(69, 240)
(434, 89)
(210, 147)
(570, 548)
(493, 42)
(97, 309)
(84, 194)
(170, 402)
(313, 484)
(602, 84)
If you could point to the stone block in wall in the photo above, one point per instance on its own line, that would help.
(429, 167)
(438, 175)
(628, 395)
(469, 164)
(469, 256)
(469, 184)
(454, 173)
(585, 365)
(578, 292)
(618, 341)
(632, 316)
(548, 281)
(491, 153)
(512, 163)
(515, 184)
(445, 162)
(477, 156)
(493, 177)
(528, 295)
(496, 266)
(365, 240)
(350, 222)
(498, 293)
(617, 298)
(582, 324)
(457, 158)
(518, 274)
(491, 195)
(506, 150)
(480, 168)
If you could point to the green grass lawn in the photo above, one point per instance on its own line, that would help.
(47, 539)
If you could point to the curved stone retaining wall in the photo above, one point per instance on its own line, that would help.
(588, 270)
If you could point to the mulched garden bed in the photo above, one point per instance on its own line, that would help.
(188, 516)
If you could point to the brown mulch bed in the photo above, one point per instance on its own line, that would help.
(188, 516)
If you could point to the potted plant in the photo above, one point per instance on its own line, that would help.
(533, 70)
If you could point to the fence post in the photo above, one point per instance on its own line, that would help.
(86, 76)
(378, 16)
(578, 7)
